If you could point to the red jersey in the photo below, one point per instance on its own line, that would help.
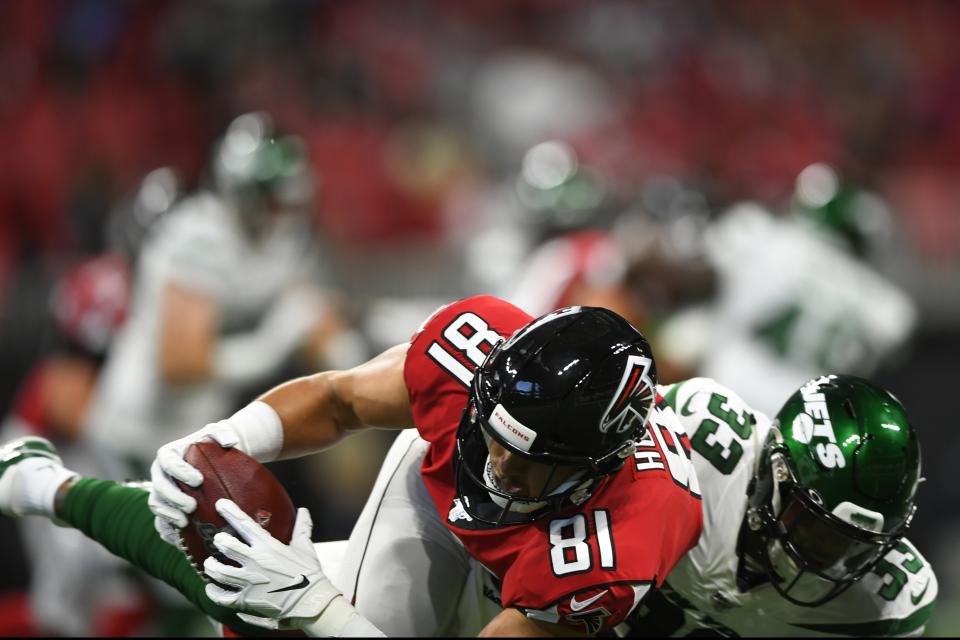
(586, 566)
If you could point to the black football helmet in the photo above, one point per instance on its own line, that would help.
(572, 388)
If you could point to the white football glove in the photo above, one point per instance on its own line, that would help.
(275, 580)
(255, 430)
(168, 503)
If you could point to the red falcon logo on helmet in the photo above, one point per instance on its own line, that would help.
(632, 400)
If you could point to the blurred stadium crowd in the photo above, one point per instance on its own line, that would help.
(552, 151)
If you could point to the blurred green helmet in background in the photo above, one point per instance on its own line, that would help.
(558, 190)
(858, 218)
(260, 171)
(834, 491)
(133, 218)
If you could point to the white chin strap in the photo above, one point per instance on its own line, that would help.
(518, 506)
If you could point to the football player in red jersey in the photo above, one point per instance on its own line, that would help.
(550, 460)
(546, 458)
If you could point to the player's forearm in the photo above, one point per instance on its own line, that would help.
(293, 419)
(188, 329)
(311, 413)
(117, 517)
(311, 416)
(245, 359)
(316, 411)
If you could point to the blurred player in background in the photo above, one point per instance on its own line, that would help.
(644, 263)
(89, 305)
(131, 220)
(571, 258)
(797, 295)
(224, 295)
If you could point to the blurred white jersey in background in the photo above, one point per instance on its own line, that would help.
(202, 246)
(791, 305)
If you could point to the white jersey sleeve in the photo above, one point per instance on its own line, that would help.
(726, 435)
(197, 247)
(792, 305)
(253, 281)
(819, 306)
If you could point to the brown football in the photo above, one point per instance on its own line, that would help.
(232, 474)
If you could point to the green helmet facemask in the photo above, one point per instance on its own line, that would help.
(834, 490)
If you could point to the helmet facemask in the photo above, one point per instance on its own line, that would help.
(811, 554)
(552, 446)
(486, 500)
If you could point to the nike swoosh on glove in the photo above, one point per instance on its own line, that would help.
(168, 503)
(274, 580)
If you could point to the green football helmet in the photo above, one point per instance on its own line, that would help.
(858, 219)
(262, 172)
(834, 490)
(558, 191)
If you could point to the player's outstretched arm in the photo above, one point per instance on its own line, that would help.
(295, 418)
(192, 349)
(317, 410)
(116, 516)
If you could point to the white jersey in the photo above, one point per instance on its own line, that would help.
(199, 245)
(896, 598)
(400, 546)
(791, 305)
